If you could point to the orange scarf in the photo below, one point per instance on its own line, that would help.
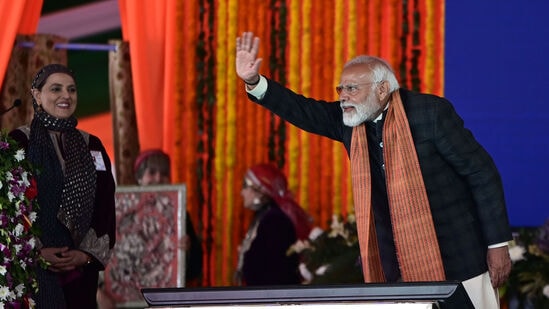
(413, 229)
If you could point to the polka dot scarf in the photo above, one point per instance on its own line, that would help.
(67, 190)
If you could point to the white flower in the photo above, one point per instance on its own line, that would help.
(11, 197)
(351, 218)
(18, 208)
(32, 216)
(337, 227)
(517, 253)
(23, 264)
(1, 185)
(18, 248)
(2, 270)
(4, 292)
(336, 223)
(315, 232)
(300, 245)
(305, 273)
(546, 291)
(20, 155)
(32, 242)
(19, 229)
(322, 270)
(19, 290)
(25, 179)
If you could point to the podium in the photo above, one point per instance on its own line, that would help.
(443, 295)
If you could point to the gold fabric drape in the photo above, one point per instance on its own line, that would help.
(190, 102)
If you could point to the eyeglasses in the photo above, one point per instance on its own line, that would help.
(352, 89)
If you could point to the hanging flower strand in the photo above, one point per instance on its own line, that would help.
(18, 234)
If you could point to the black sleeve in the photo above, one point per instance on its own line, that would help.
(314, 116)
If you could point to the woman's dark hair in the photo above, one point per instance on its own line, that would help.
(45, 72)
(154, 158)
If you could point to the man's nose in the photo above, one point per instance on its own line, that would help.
(343, 97)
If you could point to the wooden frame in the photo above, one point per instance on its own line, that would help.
(150, 223)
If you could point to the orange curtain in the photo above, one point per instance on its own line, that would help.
(18, 17)
(190, 102)
(145, 26)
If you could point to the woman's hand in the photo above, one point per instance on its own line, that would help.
(62, 259)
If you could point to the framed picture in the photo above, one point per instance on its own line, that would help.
(150, 225)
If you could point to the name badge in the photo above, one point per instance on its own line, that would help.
(98, 160)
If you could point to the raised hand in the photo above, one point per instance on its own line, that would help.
(247, 63)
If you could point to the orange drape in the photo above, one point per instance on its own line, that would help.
(18, 17)
(100, 125)
(145, 24)
(190, 102)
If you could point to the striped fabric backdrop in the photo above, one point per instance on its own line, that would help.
(214, 133)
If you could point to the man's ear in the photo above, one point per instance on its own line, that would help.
(383, 90)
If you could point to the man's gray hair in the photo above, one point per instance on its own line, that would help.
(379, 69)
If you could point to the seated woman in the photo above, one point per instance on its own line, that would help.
(277, 223)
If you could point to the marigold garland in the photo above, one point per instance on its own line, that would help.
(231, 134)
(277, 68)
(205, 156)
(220, 136)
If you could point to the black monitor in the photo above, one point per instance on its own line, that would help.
(441, 294)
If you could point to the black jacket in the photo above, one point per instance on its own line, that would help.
(464, 188)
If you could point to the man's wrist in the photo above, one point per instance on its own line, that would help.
(254, 83)
(258, 91)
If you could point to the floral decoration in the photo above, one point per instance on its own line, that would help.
(528, 284)
(332, 256)
(18, 235)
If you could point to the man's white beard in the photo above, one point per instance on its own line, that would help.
(363, 111)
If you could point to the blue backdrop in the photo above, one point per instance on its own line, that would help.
(496, 74)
